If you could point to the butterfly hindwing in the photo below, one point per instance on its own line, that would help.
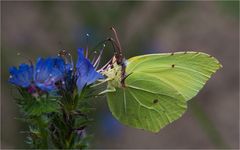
(145, 108)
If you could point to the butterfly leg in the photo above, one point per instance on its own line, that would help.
(124, 78)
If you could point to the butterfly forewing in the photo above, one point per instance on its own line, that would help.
(184, 72)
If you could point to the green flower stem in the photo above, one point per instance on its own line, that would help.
(44, 132)
(69, 136)
(72, 114)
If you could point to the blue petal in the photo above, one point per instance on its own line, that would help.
(13, 70)
(46, 87)
(93, 76)
(49, 71)
(60, 64)
(86, 73)
(69, 68)
(41, 71)
(22, 76)
(80, 83)
(82, 62)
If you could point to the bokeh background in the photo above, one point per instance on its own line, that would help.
(36, 29)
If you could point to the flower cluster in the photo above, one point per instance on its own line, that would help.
(54, 73)
(52, 101)
(55, 97)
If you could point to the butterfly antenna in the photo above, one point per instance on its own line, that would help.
(117, 39)
(118, 55)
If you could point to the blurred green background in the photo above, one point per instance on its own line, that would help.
(42, 28)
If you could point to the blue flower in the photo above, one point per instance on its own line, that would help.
(86, 73)
(23, 76)
(48, 72)
(53, 73)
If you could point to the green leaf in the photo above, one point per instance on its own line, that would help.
(158, 88)
(41, 106)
